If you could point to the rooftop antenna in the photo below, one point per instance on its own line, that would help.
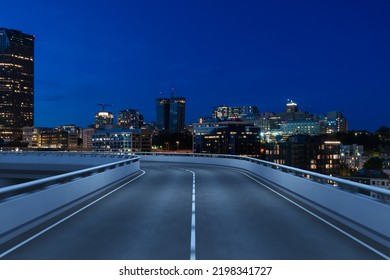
(104, 105)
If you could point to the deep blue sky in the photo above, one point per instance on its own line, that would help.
(325, 55)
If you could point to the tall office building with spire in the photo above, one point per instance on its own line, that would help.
(16, 83)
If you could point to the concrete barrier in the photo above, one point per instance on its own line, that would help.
(58, 162)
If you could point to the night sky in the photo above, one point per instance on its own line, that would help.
(325, 55)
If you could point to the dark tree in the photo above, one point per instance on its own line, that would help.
(370, 141)
(374, 163)
(384, 133)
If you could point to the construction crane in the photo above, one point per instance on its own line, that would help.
(104, 105)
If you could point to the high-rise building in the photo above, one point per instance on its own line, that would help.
(177, 108)
(335, 122)
(104, 120)
(16, 83)
(162, 113)
(129, 119)
(291, 107)
(170, 113)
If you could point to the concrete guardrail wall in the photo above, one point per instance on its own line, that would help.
(38, 201)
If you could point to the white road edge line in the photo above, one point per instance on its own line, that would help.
(67, 217)
(193, 224)
(321, 219)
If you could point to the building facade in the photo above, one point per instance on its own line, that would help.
(374, 178)
(87, 138)
(104, 120)
(227, 137)
(56, 139)
(49, 138)
(170, 113)
(122, 141)
(352, 156)
(16, 83)
(335, 122)
(235, 113)
(32, 136)
(306, 152)
(307, 127)
(277, 127)
(129, 119)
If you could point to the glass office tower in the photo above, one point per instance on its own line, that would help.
(16, 84)
(170, 114)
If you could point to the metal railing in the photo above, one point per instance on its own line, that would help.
(36, 185)
(347, 185)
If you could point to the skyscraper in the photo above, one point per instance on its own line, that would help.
(162, 113)
(170, 114)
(104, 120)
(177, 106)
(16, 83)
(129, 118)
(335, 122)
(291, 107)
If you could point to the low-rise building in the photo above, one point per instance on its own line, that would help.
(50, 138)
(373, 178)
(54, 139)
(121, 140)
(352, 156)
(307, 127)
(32, 136)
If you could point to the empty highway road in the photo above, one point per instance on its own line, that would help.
(185, 211)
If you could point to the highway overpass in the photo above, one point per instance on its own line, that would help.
(185, 208)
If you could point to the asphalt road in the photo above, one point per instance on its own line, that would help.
(231, 216)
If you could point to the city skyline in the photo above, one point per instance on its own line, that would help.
(327, 57)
